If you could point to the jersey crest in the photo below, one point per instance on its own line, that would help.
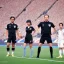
(14, 26)
(49, 25)
(30, 28)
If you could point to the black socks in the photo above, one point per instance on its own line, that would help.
(39, 50)
(13, 49)
(51, 52)
(38, 53)
(8, 49)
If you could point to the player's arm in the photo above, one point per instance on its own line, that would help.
(33, 31)
(54, 29)
(63, 33)
(6, 33)
(38, 27)
(17, 32)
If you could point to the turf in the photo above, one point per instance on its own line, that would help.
(44, 57)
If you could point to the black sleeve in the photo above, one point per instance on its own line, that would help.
(52, 25)
(39, 25)
(17, 27)
(33, 29)
(25, 28)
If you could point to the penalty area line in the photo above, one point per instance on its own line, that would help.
(41, 59)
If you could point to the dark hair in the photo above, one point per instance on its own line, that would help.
(46, 15)
(12, 17)
(29, 21)
(60, 23)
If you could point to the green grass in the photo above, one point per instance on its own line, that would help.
(44, 57)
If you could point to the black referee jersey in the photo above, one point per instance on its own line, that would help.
(28, 37)
(12, 27)
(46, 27)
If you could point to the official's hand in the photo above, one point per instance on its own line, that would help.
(6, 37)
(19, 37)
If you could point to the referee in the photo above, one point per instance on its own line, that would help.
(11, 31)
(29, 37)
(45, 34)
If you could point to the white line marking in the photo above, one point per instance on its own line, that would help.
(41, 59)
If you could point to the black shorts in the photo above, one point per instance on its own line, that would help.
(47, 38)
(11, 39)
(28, 39)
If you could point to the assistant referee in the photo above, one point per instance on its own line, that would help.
(11, 31)
(45, 34)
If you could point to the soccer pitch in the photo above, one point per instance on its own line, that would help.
(18, 59)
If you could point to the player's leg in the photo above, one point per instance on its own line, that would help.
(60, 46)
(39, 50)
(13, 45)
(24, 49)
(51, 50)
(13, 49)
(49, 41)
(30, 40)
(39, 46)
(8, 46)
(60, 53)
(63, 48)
(63, 51)
(8, 49)
(42, 40)
(31, 50)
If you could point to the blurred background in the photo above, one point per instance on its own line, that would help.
(18, 9)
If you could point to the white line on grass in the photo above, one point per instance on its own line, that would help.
(41, 59)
